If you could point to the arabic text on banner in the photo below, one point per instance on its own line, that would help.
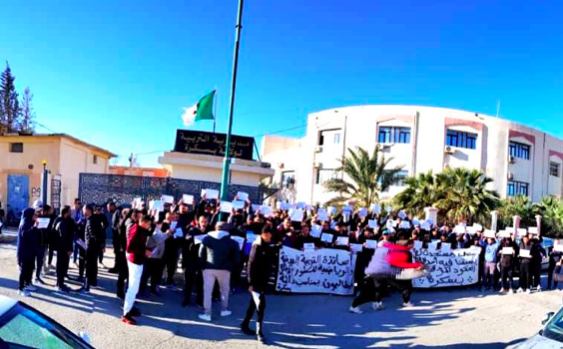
(447, 268)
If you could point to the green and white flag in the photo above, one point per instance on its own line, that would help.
(203, 110)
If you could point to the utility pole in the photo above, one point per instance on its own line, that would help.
(227, 160)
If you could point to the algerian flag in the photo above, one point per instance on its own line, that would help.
(203, 110)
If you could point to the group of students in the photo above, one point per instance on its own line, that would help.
(216, 251)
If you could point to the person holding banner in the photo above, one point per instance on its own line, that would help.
(508, 253)
(305, 237)
(527, 250)
(259, 269)
(491, 255)
(190, 261)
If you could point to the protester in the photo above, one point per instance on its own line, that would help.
(112, 217)
(259, 268)
(508, 262)
(76, 214)
(136, 255)
(152, 269)
(127, 220)
(527, 250)
(28, 236)
(43, 236)
(190, 259)
(95, 238)
(218, 256)
(491, 255)
(555, 258)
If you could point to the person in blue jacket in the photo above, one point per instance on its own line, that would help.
(491, 258)
(27, 245)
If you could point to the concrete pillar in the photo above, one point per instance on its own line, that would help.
(431, 214)
(494, 221)
(538, 224)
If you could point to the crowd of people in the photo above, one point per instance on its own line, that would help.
(217, 249)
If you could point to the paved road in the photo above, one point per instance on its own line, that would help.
(440, 319)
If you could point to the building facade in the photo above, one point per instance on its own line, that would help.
(65, 157)
(521, 160)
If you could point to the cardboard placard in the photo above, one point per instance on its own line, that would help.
(316, 231)
(356, 247)
(533, 230)
(266, 210)
(371, 244)
(322, 215)
(503, 234)
(286, 206)
(507, 250)
(363, 212)
(308, 246)
(43, 223)
(157, 205)
(342, 241)
(375, 208)
(332, 210)
(226, 207)
(255, 208)
(168, 199)
(238, 205)
(188, 199)
(372, 223)
(242, 196)
(525, 253)
(389, 209)
(402, 214)
(210, 194)
(489, 234)
(296, 215)
(326, 237)
(521, 232)
(301, 205)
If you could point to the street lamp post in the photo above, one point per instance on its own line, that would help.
(227, 159)
(44, 189)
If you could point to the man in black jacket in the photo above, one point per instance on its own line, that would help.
(259, 267)
(190, 261)
(64, 226)
(95, 237)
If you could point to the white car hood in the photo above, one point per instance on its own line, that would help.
(6, 304)
(540, 342)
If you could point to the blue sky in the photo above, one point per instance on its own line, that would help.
(118, 75)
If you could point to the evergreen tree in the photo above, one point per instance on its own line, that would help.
(10, 107)
(27, 112)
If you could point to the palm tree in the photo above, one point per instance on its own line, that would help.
(365, 176)
(520, 206)
(421, 192)
(465, 196)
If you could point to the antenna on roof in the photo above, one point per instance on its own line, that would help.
(498, 107)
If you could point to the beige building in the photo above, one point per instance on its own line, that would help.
(21, 168)
(520, 159)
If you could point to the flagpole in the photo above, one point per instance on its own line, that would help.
(227, 159)
(216, 101)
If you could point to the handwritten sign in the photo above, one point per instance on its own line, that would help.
(207, 143)
(242, 196)
(327, 238)
(168, 199)
(316, 231)
(157, 205)
(525, 253)
(43, 223)
(342, 241)
(371, 244)
(188, 199)
(320, 271)
(447, 268)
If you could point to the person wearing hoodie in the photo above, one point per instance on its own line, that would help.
(259, 267)
(387, 266)
(555, 258)
(26, 250)
(508, 262)
(527, 252)
(64, 227)
(95, 239)
(153, 269)
(137, 254)
(491, 257)
(218, 256)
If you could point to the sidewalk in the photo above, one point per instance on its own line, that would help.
(9, 235)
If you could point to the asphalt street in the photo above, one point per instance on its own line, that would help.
(459, 318)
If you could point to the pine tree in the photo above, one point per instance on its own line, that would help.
(10, 106)
(27, 113)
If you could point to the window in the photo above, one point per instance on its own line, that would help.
(517, 188)
(329, 137)
(519, 150)
(337, 138)
(95, 159)
(16, 147)
(324, 175)
(553, 169)
(461, 139)
(287, 178)
(399, 178)
(388, 134)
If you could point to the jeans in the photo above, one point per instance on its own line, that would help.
(135, 274)
(193, 278)
(507, 280)
(525, 277)
(91, 266)
(26, 272)
(223, 277)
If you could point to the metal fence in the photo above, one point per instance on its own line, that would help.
(121, 189)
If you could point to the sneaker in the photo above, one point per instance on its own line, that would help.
(84, 290)
(39, 281)
(407, 305)
(377, 305)
(538, 289)
(63, 289)
(135, 312)
(520, 290)
(127, 319)
(31, 288)
(246, 330)
(355, 310)
(226, 313)
(510, 291)
(528, 291)
(24, 293)
(205, 317)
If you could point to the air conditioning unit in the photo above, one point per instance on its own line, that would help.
(386, 147)
(510, 176)
(449, 150)
(317, 165)
(511, 159)
(319, 149)
(265, 165)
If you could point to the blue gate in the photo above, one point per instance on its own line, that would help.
(18, 197)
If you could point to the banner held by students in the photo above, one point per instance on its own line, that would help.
(447, 268)
(319, 271)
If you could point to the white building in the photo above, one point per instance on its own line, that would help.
(520, 159)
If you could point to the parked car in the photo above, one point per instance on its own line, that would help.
(23, 327)
(550, 336)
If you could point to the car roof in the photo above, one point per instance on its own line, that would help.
(6, 303)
